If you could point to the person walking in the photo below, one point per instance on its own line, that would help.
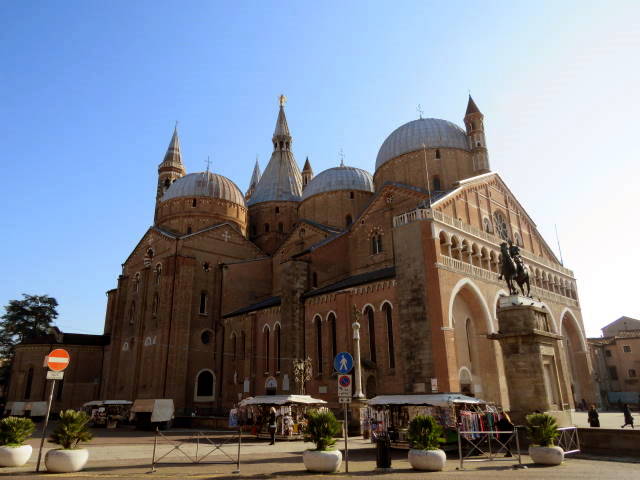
(272, 425)
(594, 418)
(505, 425)
(628, 419)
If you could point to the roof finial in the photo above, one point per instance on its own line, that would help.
(420, 112)
(176, 126)
(341, 154)
(208, 163)
(283, 100)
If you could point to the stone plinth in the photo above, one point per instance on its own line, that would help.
(529, 351)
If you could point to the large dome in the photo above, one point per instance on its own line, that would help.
(339, 178)
(205, 184)
(432, 132)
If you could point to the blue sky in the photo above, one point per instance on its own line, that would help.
(90, 92)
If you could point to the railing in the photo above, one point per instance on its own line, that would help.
(197, 446)
(487, 445)
(471, 270)
(569, 440)
(429, 214)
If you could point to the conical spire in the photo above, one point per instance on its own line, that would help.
(307, 166)
(255, 177)
(471, 107)
(173, 157)
(281, 180)
(281, 131)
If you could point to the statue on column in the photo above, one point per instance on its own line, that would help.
(512, 269)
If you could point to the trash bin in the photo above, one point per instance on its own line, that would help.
(383, 451)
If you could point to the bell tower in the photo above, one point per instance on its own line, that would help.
(474, 123)
(170, 169)
(307, 173)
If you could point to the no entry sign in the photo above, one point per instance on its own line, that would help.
(58, 360)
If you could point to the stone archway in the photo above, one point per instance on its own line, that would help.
(477, 356)
(575, 357)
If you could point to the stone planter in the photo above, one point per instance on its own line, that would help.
(325, 461)
(15, 456)
(427, 460)
(546, 455)
(63, 461)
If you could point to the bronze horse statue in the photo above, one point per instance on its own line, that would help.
(513, 268)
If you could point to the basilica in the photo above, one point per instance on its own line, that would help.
(227, 290)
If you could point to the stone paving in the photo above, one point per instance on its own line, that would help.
(127, 454)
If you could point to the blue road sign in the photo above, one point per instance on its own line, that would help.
(343, 363)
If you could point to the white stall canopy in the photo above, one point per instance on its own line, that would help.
(281, 400)
(434, 400)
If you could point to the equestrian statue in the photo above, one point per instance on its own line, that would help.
(513, 268)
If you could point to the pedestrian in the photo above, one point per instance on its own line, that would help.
(272, 425)
(594, 418)
(583, 405)
(628, 419)
(505, 425)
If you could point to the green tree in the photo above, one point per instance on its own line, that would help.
(23, 319)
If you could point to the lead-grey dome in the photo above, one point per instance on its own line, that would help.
(339, 178)
(205, 184)
(432, 132)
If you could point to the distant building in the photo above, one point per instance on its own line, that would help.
(616, 362)
(226, 290)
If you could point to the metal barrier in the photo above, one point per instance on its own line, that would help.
(569, 440)
(205, 443)
(488, 445)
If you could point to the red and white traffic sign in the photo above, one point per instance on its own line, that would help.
(58, 359)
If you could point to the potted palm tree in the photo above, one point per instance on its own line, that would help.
(14, 431)
(542, 431)
(71, 430)
(425, 437)
(321, 429)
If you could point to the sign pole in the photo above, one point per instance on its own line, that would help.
(346, 437)
(46, 422)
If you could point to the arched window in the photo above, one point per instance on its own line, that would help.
(277, 346)
(351, 195)
(158, 273)
(348, 220)
(486, 225)
(319, 343)
(194, 203)
(314, 279)
(280, 227)
(437, 153)
(205, 384)
(156, 300)
(518, 239)
(132, 313)
(265, 343)
(167, 183)
(386, 308)
(371, 327)
(206, 337)
(277, 209)
(376, 243)
(189, 230)
(234, 346)
(203, 303)
(28, 384)
(436, 183)
(334, 335)
(136, 283)
(266, 227)
(243, 343)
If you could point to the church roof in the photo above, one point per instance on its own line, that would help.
(471, 107)
(255, 177)
(205, 184)
(430, 132)
(339, 178)
(269, 302)
(173, 157)
(353, 281)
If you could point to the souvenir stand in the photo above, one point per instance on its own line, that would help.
(253, 412)
(392, 414)
(107, 413)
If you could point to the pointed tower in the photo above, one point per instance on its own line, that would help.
(307, 173)
(255, 178)
(171, 167)
(273, 206)
(474, 122)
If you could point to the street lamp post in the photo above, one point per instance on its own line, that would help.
(356, 348)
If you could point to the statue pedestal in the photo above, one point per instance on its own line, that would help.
(529, 351)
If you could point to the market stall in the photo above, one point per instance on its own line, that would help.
(253, 412)
(107, 413)
(391, 414)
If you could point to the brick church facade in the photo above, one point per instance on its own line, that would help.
(226, 290)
